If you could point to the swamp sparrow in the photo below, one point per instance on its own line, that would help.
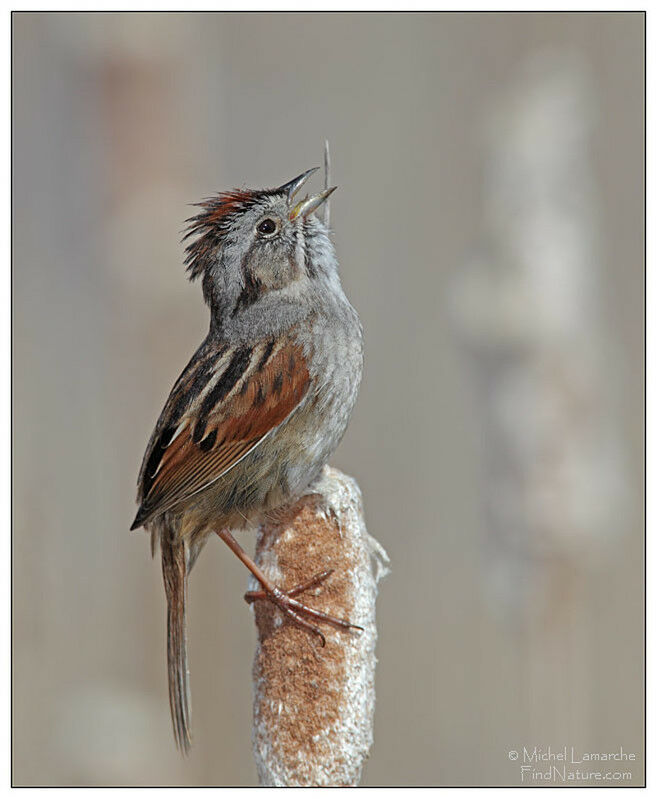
(262, 404)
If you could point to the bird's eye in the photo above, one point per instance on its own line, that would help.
(267, 227)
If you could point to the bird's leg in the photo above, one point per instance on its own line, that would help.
(251, 596)
(285, 599)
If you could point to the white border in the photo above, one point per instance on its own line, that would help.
(5, 350)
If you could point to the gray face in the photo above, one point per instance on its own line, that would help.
(264, 246)
(261, 252)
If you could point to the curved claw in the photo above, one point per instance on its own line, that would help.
(296, 610)
(251, 596)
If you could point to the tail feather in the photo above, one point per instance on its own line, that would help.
(174, 569)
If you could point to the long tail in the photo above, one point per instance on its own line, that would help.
(174, 569)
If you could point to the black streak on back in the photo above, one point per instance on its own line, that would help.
(208, 442)
(224, 386)
(156, 456)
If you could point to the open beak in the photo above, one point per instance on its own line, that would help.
(310, 204)
(292, 187)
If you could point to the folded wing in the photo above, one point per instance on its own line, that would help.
(224, 404)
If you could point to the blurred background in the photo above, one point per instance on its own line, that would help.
(489, 223)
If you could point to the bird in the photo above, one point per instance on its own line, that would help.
(262, 404)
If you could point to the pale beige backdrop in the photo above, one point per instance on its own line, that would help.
(447, 132)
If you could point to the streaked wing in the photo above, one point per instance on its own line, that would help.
(240, 394)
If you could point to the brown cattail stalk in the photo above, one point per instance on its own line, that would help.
(314, 705)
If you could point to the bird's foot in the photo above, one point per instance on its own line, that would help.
(296, 610)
